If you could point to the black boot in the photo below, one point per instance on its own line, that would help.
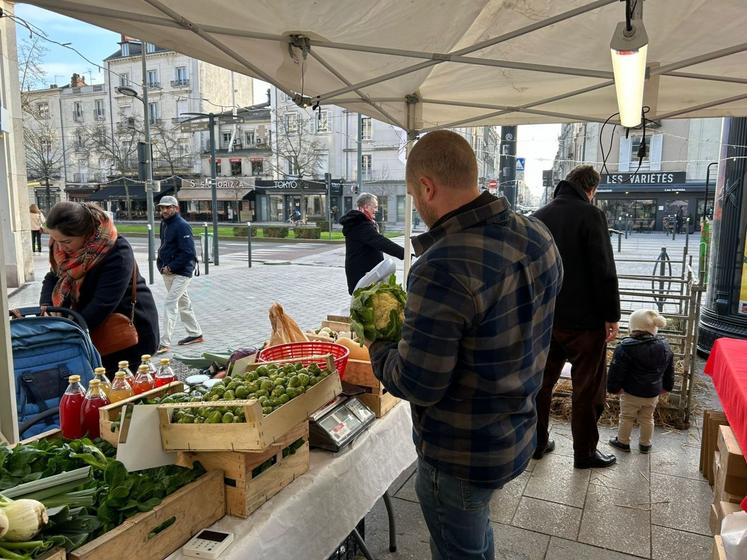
(596, 461)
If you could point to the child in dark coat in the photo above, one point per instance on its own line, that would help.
(642, 368)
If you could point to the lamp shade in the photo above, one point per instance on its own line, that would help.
(629, 50)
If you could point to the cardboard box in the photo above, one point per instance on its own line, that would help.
(720, 494)
(712, 419)
(719, 510)
(718, 549)
(732, 458)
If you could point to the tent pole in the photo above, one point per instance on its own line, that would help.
(410, 103)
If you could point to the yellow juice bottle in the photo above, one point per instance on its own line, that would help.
(120, 388)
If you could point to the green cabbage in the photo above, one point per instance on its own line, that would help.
(378, 311)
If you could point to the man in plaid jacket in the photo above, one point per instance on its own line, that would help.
(475, 339)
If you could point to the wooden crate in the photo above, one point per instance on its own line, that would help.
(379, 403)
(258, 432)
(712, 419)
(360, 372)
(109, 415)
(718, 552)
(337, 326)
(246, 492)
(179, 517)
(54, 554)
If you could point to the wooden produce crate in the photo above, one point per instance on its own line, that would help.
(54, 554)
(258, 432)
(247, 488)
(377, 398)
(109, 415)
(155, 534)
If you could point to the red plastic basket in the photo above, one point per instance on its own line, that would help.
(302, 351)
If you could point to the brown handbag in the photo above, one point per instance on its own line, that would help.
(117, 332)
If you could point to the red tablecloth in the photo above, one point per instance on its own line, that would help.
(727, 365)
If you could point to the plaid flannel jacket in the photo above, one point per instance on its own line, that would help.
(475, 339)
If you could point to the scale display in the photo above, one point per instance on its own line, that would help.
(339, 424)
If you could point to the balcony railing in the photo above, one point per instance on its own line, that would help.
(99, 115)
(155, 85)
(80, 177)
(180, 83)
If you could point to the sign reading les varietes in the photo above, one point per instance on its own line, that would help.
(645, 178)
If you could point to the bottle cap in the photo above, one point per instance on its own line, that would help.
(94, 383)
(145, 357)
(143, 367)
(100, 371)
(123, 364)
(165, 361)
(120, 375)
(73, 379)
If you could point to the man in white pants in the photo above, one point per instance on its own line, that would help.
(176, 262)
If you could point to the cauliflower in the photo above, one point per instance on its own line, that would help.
(378, 311)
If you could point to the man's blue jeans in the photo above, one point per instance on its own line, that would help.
(456, 513)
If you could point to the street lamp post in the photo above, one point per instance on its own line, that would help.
(214, 186)
(129, 92)
(708, 179)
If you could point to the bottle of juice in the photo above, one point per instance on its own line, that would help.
(106, 385)
(89, 412)
(165, 374)
(124, 366)
(143, 380)
(146, 361)
(121, 389)
(70, 405)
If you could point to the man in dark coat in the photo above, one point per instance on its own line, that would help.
(364, 245)
(586, 314)
(176, 261)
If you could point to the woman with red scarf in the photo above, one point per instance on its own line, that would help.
(91, 273)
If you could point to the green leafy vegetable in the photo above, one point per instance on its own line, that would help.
(378, 311)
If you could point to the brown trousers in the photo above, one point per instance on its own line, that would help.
(586, 351)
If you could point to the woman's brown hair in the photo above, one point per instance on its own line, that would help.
(76, 219)
(34, 209)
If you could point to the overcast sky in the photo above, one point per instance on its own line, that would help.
(536, 143)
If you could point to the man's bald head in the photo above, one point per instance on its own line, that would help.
(446, 158)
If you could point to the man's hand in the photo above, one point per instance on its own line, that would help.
(611, 329)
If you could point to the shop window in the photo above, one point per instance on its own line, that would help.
(235, 168)
(635, 215)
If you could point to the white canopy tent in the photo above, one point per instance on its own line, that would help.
(427, 64)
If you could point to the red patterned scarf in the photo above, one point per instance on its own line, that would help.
(71, 268)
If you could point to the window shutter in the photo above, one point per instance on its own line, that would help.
(654, 154)
(624, 157)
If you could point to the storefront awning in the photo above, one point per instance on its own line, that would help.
(221, 194)
(135, 192)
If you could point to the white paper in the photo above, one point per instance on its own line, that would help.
(734, 535)
(139, 445)
(380, 272)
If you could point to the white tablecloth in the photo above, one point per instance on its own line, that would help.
(313, 515)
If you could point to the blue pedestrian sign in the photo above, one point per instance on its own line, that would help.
(520, 164)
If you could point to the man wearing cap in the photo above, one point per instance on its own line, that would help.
(176, 262)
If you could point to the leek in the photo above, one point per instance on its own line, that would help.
(39, 487)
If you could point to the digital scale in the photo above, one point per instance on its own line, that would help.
(339, 423)
(207, 544)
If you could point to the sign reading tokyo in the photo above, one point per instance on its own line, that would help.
(644, 178)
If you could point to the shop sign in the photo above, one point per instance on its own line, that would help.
(221, 183)
(657, 178)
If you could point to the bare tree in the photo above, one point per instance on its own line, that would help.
(167, 149)
(30, 72)
(299, 153)
(44, 155)
(120, 149)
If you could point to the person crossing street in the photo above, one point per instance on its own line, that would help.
(177, 259)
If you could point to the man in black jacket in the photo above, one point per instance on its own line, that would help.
(587, 311)
(364, 245)
(176, 261)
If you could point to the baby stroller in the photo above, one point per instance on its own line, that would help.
(46, 351)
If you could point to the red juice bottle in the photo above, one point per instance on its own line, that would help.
(89, 412)
(165, 374)
(143, 381)
(70, 405)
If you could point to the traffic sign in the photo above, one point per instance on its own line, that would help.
(520, 164)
